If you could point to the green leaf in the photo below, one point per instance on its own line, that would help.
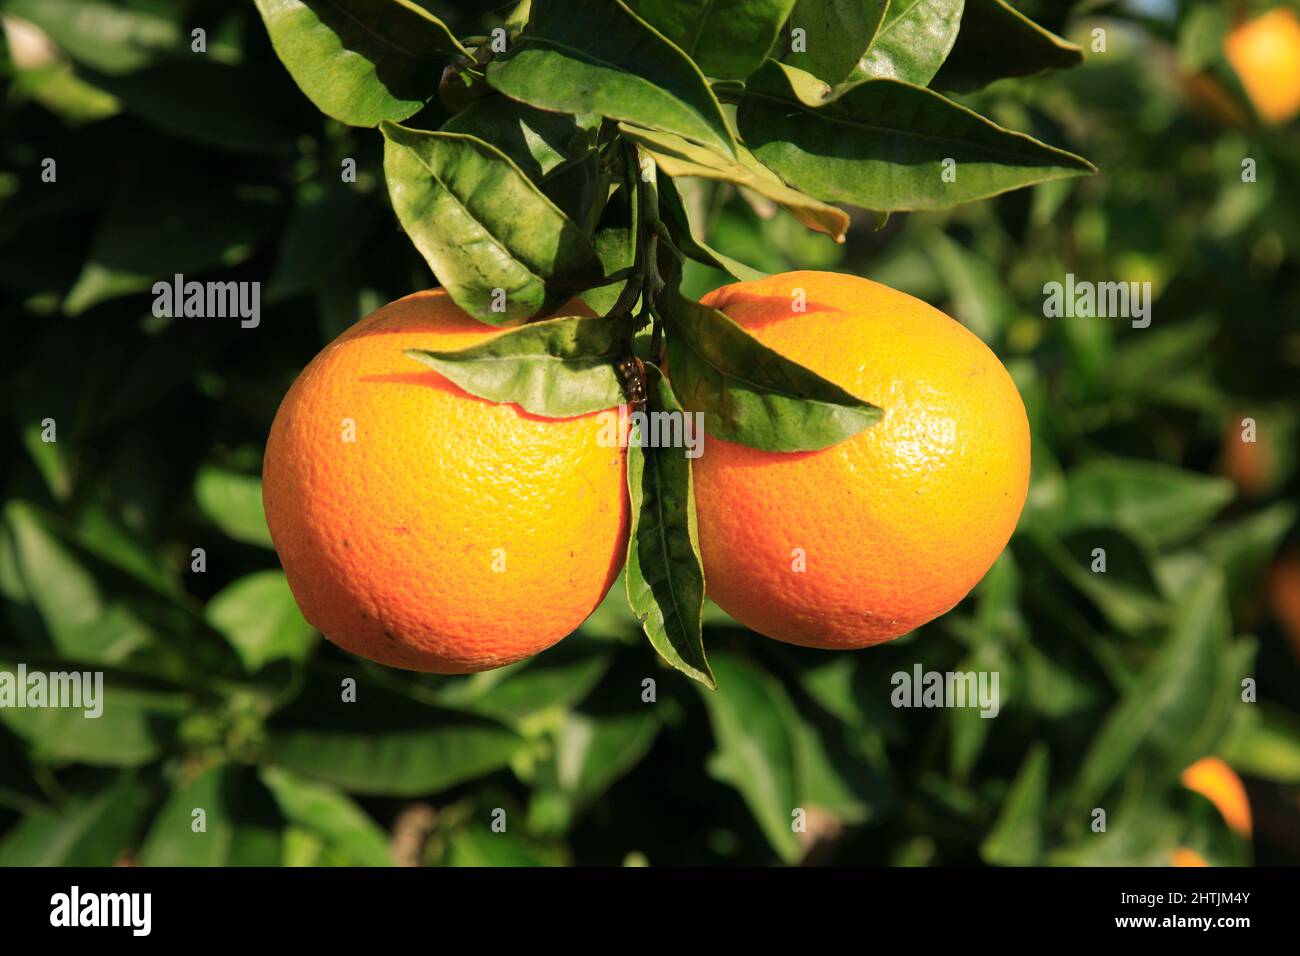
(164, 221)
(240, 824)
(400, 761)
(1125, 593)
(589, 755)
(834, 779)
(483, 226)
(882, 145)
(325, 232)
(331, 815)
(521, 694)
(233, 502)
(200, 99)
(360, 61)
(980, 298)
(615, 241)
(538, 141)
(674, 214)
(479, 846)
(1265, 742)
(753, 724)
(1201, 32)
(677, 157)
(80, 623)
(998, 41)
(750, 394)
(133, 727)
(913, 41)
(1177, 711)
(1017, 837)
(729, 39)
(91, 830)
(258, 616)
(665, 574)
(1152, 502)
(836, 33)
(106, 36)
(583, 58)
(557, 368)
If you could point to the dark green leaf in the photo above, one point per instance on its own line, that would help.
(501, 249)
(538, 141)
(92, 830)
(164, 221)
(665, 576)
(325, 231)
(398, 761)
(557, 368)
(913, 41)
(133, 726)
(583, 58)
(1126, 592)
(360, 61)
(677, 157)
(836, 33)
(204, 101)
(674, 214)
(240, 823)
(80, 623)
(750, 394)
(615, 242)
(882, 145)
(1017, 837)
(1150, 501)
(590, 754)
(998, 41)
(533, 691)
(729, 39)
(1178, 709)
(754, 725)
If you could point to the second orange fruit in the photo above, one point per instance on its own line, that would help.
(1265, 53)
(893, 526)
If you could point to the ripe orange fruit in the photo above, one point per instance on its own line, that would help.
(1185, 857)
(895, 524)
(1214, 780)
(1265, 53)
(452, 534)
(1284, 596)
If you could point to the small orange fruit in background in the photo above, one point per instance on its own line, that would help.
(897, 523)
(1284, 596)
(1215, 780)
(1265, 53)
(453, 534)
(1185, 857)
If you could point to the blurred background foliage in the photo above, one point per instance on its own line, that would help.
(221, 696)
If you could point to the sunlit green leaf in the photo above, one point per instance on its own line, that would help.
(557, 368)
(360, 61)
(579, 58)
(501, 249)
(888, 145)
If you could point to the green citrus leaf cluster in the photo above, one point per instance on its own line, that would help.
(552, 188)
